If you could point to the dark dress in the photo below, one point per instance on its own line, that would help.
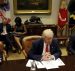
(20, 32)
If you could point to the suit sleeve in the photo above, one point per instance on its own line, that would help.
(0, 28)
(57, 52)
(32, 53)
(70, 48)
(9, 28)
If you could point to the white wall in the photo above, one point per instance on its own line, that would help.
(46, 19)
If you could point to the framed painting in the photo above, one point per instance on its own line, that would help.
(32, 6)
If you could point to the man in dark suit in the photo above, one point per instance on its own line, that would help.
(45, 48)
(5, 30)
(71, 45)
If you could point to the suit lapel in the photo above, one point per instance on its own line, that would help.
(41, 46)
(51, 47)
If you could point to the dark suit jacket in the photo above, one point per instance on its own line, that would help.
(71, 44)
(37, 49)
(8, 28)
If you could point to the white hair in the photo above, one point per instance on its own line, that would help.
(48, 33)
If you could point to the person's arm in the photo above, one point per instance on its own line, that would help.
(72, 50)
(32, 55)
(9, 28)
(25, 30)
(62, 18)
(0, 28)
(70, 47)
(57, 52)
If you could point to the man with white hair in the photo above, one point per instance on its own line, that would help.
(45, 48)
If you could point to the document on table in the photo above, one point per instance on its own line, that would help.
(29, 63)
(51, 64)
(0, 61)
(59, 62)
(39, 64)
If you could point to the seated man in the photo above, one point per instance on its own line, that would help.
(45, 48)
(71, 45)
(5, 30)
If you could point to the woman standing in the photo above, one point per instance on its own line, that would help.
(62, 17)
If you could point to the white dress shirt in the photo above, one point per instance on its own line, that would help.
(4, 31)
(44, 48)
(44, 51)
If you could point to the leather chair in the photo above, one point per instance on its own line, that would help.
(27, 43)
(1, 46)
(3, 51)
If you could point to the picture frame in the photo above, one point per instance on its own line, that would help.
(32, 6)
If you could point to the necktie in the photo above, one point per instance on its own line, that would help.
(47, 48)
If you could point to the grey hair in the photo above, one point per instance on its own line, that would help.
(48, 33)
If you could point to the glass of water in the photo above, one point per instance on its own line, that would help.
(33, 66)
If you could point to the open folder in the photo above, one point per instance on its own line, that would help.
(51, 64)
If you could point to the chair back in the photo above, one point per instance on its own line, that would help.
(27, 42)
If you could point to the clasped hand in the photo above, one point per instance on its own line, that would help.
(46, 56)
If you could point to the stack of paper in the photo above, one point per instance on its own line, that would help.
(39, 64)
(59, 62)
(51, 64)
(29, 63)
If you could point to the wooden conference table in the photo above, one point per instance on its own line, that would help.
(19, 65)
